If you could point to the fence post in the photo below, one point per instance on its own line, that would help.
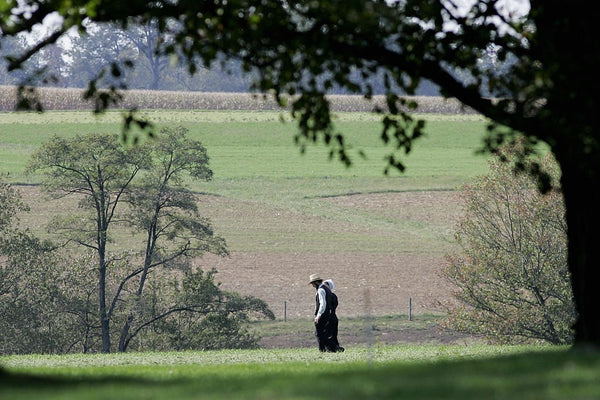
(285, 311)
(410, 308)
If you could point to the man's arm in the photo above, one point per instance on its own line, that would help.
(322, 304)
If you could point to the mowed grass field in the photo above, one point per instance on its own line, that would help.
(259, 144)
(382, 372)
(286, 215)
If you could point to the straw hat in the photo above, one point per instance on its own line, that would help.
(314, 278)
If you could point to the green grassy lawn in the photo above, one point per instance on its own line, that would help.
(257, 166)
(246, 145)
(391, 372)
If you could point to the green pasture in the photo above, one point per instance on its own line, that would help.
(261, 173)
(377, 372)
(247, 145)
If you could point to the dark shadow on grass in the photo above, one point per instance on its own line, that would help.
(544, 375)
(21, 380)
(371, 192)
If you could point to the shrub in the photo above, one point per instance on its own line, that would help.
(511, 276)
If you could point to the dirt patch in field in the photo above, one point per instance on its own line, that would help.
(436, 208)
(365, 283)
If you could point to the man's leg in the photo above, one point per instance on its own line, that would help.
(321, 334)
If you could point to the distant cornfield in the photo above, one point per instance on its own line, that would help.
(72, 99)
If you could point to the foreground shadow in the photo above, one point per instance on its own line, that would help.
(547, 375)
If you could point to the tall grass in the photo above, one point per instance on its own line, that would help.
(72, 99)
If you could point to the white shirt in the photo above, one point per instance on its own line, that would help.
(322, 302)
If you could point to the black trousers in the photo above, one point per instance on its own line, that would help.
(333, 331)
(324, 333)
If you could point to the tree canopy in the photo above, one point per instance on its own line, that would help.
(548, 51)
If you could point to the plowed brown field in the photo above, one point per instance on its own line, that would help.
(367, 282)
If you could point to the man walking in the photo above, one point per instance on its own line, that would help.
(323, 314)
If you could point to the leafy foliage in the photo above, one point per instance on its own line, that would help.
(206, 318)
(137, 293)
(98, 169)
(166, 212)
(38, 315)
(27, 296)
(511, 276)
(10, 204)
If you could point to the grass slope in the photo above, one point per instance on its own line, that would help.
(256, 165)
(285, 214)
(244, 144)
(412, 372)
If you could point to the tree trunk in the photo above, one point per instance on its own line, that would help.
(104, 319)
(569, 49)
(123, 340)
(581, 192)
(155, 78)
